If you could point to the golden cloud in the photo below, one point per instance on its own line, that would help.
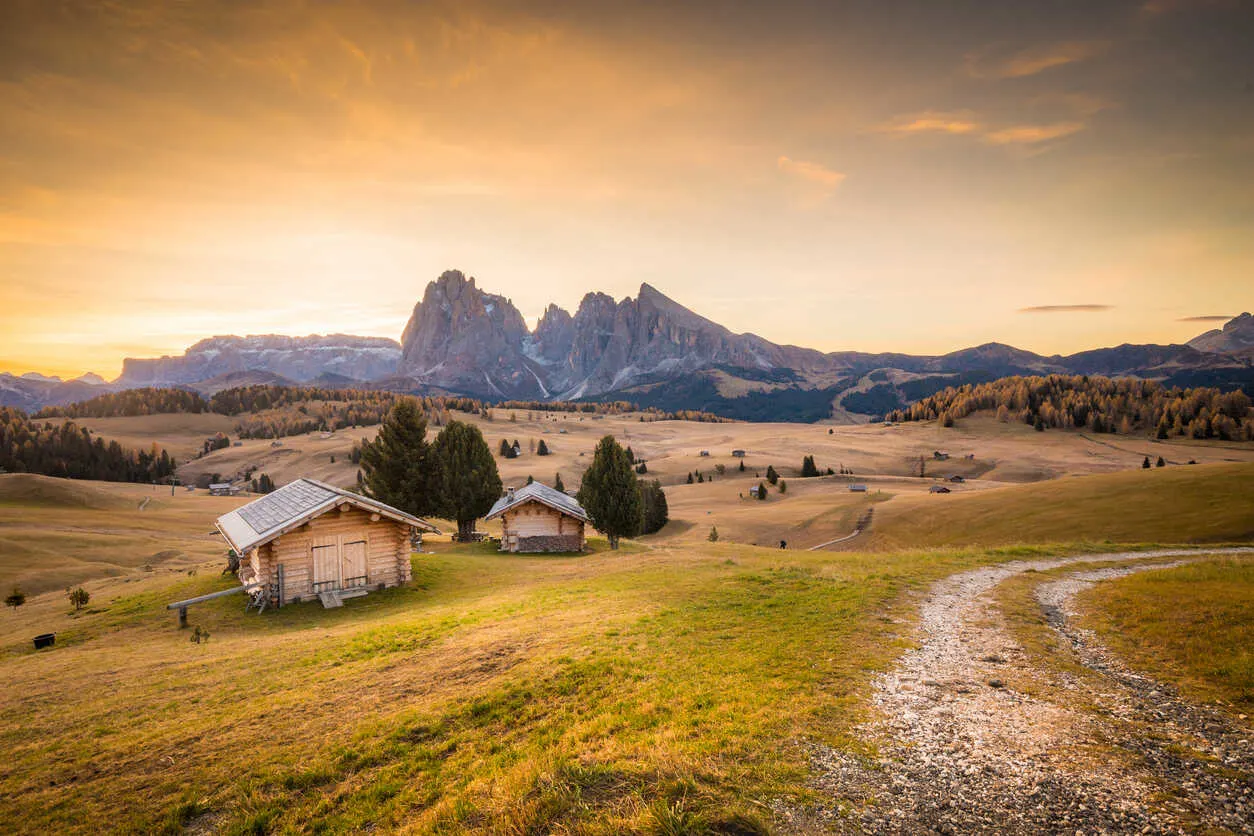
(1035, 60)
(814, 172)
(1032, 134)
(931, 121)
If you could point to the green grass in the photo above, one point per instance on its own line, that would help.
(645, 690)
(1187, 504)
(1191, 625)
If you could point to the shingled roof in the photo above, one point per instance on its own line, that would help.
(293, 505)
(537, 492)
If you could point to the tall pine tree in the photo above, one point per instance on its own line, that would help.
(467, 482)
(610, 493)
(396, 467)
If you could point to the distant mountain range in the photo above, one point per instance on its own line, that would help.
(650, 350)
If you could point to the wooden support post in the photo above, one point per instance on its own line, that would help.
(182, 617)
(279, 578)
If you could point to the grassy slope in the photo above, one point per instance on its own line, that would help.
(1191, 625)
(618, 691)
(56, 532)
(1203, 503)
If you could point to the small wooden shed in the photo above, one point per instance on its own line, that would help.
(537, 518)
(312, 540)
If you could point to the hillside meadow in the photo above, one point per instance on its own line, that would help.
(673, 686)
(647, 690)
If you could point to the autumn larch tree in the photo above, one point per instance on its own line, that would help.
(465, 475)
(610, 493)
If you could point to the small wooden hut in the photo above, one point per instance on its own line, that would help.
(537, 518)
(312, 540)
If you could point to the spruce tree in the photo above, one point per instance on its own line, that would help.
(742, 465)
(530, 479)
(610, 493)
(783, 486)
(690, 479)
(467, 482)
(557, 483)
(656, 512)
(761, 490)
(713, 536)
(771, 475)
(808, 467)
(542, 449)
(1161, 462)
(1146, 464)
(396, 467)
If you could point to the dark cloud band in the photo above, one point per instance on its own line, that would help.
(1066, 308)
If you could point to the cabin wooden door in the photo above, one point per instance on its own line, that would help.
(326, 563)
(353, 562)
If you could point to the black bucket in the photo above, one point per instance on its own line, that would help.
(46, 640)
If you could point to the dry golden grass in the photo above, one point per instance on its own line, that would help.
(1191, 625)
(58, 532)
(663, 686)
(1194, 504)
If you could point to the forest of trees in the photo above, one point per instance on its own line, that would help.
(67, 450)
(270, 411)
(149, 401)
(1098, 404)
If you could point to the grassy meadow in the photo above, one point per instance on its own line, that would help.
(644, 690)
(671, 686)
(1190, 625)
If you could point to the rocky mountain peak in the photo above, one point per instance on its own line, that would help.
(1236, 335)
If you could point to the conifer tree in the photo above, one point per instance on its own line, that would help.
(761, 490)
(690, 479)
(1146, 464)
(771, 475)
(542, 449)
(610, 493)
(557, 483)
(742, 465)
(1161, 462)
(783, 486)
(713, 536)
(465, 475)
(656, 512)
(396, 467)
(15, 599)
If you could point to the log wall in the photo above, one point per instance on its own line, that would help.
(534, 527)
(387, 551)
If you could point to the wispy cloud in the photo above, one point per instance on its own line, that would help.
(1205, 318)
(814, 172)
(1066, 309)
(1032, 61)
(933, 121)
(966, 123)
(1032, 134)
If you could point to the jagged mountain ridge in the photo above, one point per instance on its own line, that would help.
(650, 349)
(295, 358)
(1237, 336)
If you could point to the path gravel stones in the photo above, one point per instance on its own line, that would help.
(1100, 750)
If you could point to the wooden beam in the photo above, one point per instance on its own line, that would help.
(183, 605)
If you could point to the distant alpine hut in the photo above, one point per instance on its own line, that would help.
(223, 489)
(938, 489)
(537, 518)
(857, 488)
(740, 454)
(311, 540)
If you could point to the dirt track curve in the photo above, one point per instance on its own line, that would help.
(1106, 752)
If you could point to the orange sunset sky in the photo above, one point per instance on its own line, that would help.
(906, 176)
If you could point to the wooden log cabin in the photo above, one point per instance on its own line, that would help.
(537, 518)
(310, 540)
